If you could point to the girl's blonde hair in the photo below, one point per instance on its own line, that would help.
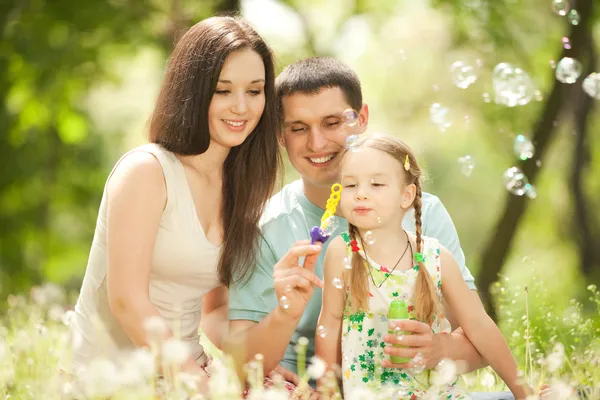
(427, 304)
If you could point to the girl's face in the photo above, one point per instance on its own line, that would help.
(239, 99)
(374, 190)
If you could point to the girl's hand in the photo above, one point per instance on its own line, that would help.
(419, 340)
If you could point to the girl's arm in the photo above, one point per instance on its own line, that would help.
(478, 326)
(328, 338)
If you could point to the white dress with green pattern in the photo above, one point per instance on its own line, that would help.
(362, 332)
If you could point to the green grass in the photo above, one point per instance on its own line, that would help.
(552, 344)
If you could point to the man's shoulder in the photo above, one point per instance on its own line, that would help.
(429, 200)
(282, 206)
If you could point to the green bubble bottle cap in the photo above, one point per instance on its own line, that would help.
(398, 310)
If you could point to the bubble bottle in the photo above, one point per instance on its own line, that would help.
(398, 311)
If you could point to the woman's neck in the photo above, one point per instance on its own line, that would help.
(208, 164)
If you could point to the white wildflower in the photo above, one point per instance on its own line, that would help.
(487, 380)
(317, 368)
(99, 378)
(54, 293)
(56, 313)
(143, 360)
(556, 359)
(174, 351)
(275, 394)
(67, 317)
(558, 391)
(155, 326)
(360, 393)
(445, 372)
(188, 381)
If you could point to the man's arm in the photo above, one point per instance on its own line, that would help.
(258, 322)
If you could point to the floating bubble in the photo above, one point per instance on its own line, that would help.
(466, 165)
(568, 70)
(539, 96)
(566, 43)
(402, 54)
(573, 17)
(552, 64)
(369, 238)
(515, 181)
(512, 86)
(463, 75)
(436, 88)
(350, 117)
(330, 225)
(337, 283)
(538, 163)
(523, 147)
(284, 302)
(347, 263)
(321, 331)
(530, 191)
(561, 7)
(440, 116)
(351, 141)
(486, 97)
(591, 85)
(417, 364)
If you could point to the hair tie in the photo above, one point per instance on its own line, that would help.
(406, 163)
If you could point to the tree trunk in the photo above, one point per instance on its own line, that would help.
(498, 245)
(584, 229)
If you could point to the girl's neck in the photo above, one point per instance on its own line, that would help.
(388, 244)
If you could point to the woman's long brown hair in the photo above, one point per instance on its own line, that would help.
(179, 123)
(427, 304)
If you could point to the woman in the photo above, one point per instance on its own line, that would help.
(179, 216)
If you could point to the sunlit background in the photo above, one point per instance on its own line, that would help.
(78, 82)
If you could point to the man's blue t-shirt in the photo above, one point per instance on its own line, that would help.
(288, 217)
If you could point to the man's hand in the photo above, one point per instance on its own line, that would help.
(420, 340)
(286, 374)
(295, 282)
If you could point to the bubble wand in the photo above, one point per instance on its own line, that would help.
(323, 232)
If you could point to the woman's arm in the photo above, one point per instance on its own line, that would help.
(329, 327)
(214, 321)
(137, 197)
(478, 326)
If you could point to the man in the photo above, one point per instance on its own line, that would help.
(280, 302)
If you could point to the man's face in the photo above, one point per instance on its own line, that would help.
(314, 133)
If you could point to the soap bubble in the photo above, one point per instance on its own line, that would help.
(321, 331)
(574, 17)
(284, 302)
(369, 237)
(330, 225)
(463, 75)
(523, 147)
(352, 141)
(515, 181)
(350, 117)
(347, 263)
(512, 86)
(337, 283)
(561, 7)
(466, 165)
(591, 85)
(440, 116)
(568, 70)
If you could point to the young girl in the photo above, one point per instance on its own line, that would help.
(377, 262)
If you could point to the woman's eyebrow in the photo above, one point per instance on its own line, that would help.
(226, 81)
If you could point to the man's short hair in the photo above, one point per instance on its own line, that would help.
(311, 75)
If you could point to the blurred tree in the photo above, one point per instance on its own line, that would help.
(52, 159)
